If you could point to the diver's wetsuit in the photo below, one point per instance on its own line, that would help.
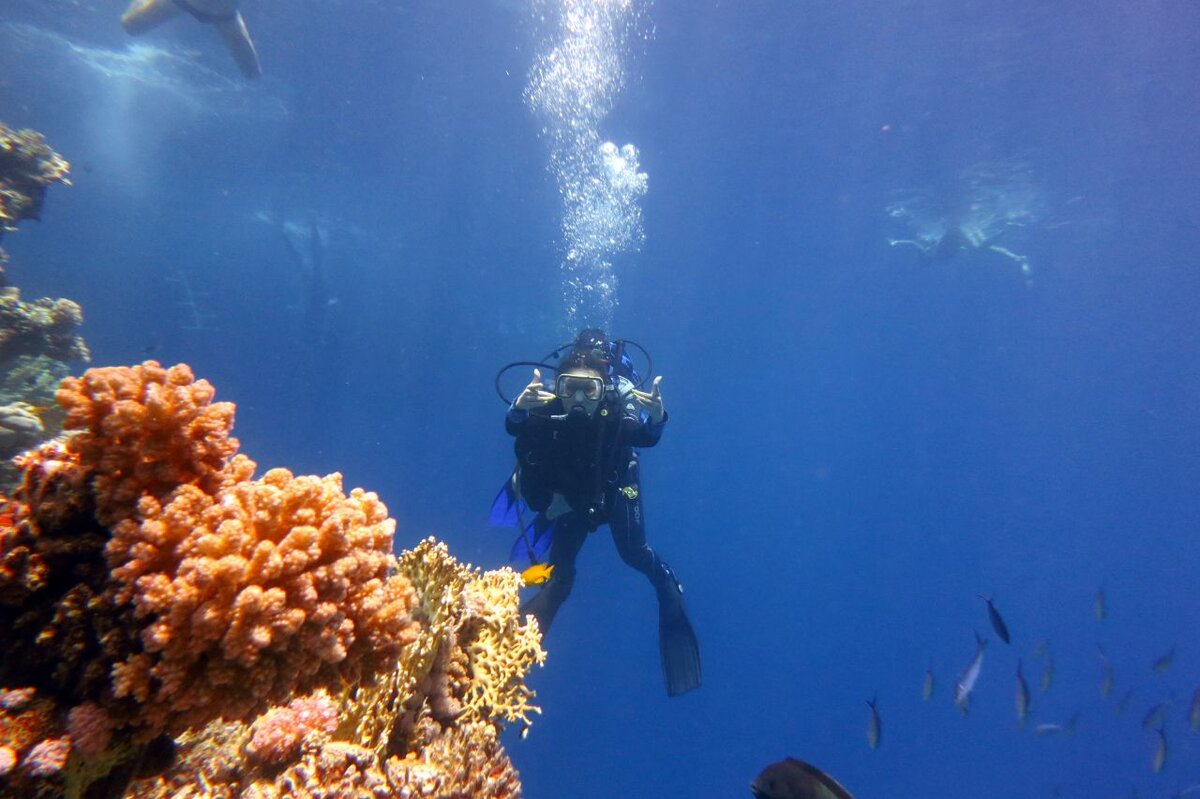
(592, 464)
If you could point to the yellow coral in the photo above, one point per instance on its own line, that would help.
(477, 617)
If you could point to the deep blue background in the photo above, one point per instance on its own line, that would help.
(861, 441)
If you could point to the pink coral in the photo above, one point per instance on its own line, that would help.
(47, 757)
(15, 699)
(279, 733)
(268, 588)
(90, 729)
(146, 430)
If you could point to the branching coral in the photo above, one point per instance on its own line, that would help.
(146, 430)
(148, 585)
(468, 663)
(271, 587)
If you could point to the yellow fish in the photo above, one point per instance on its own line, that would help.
(537, 574)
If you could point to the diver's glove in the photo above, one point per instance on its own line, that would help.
(651, 401)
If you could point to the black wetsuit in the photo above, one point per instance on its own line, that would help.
(591, 462)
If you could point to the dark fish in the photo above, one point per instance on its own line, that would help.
(874, 725)
(965, 683)
(1100, 605)
(1107, 679)
(1022, 696)
(1160, 752)
(794, 779)
(1123, 703)
(927, 687)
(997, 621)
(1164, 662)
(1194, 711)
(1156, 715)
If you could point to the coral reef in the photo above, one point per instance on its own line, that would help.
(170, 620)
(42, 327)
(27, 167)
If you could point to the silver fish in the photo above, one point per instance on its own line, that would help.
(927, 686)
(1055, 729)
(1100, 606)
(1042, 648)
(874, 725)
(1022, 696)
(1160, 752)
(965, 683)
(1047, 674)
(1194, 711)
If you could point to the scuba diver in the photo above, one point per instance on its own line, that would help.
(143, 15)
(577, 469)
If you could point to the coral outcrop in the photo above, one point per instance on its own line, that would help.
(174, 627)
(27, 167)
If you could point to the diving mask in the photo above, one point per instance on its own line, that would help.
(566, 386)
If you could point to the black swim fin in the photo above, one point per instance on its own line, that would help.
(676, 639)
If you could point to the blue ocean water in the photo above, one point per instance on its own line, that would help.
(863, 437)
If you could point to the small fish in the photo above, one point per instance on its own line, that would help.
(965, 683)
(1100, 606)
(996, 619)
(794, 779)
(1160, 752)
(1055, 729)
(1164, 662)
(1042, 648)
(537, 574)
(1194, 711)
(1123, 703)
(874, 724)
(1047, 674)
(1188, 791)
(927, 687)
(1022, 696)
(1107, 678)
(1156, 715)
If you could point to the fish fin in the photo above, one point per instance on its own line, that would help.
(829, 783)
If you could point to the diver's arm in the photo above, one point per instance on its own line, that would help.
(515, 419)
(642, 431)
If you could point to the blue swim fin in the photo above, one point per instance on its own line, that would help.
(533, 544)
(507, 507)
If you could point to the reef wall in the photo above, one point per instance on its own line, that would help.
(173, 627)
(38, 340)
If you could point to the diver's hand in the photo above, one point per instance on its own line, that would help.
(652, 402)
(535, 394)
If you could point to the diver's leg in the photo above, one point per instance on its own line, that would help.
(567, 538)
(142, 15)
(676, 639)
(237, 39)
(1022, 260)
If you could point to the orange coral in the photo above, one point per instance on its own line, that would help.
(148, 430)
(268, 588)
